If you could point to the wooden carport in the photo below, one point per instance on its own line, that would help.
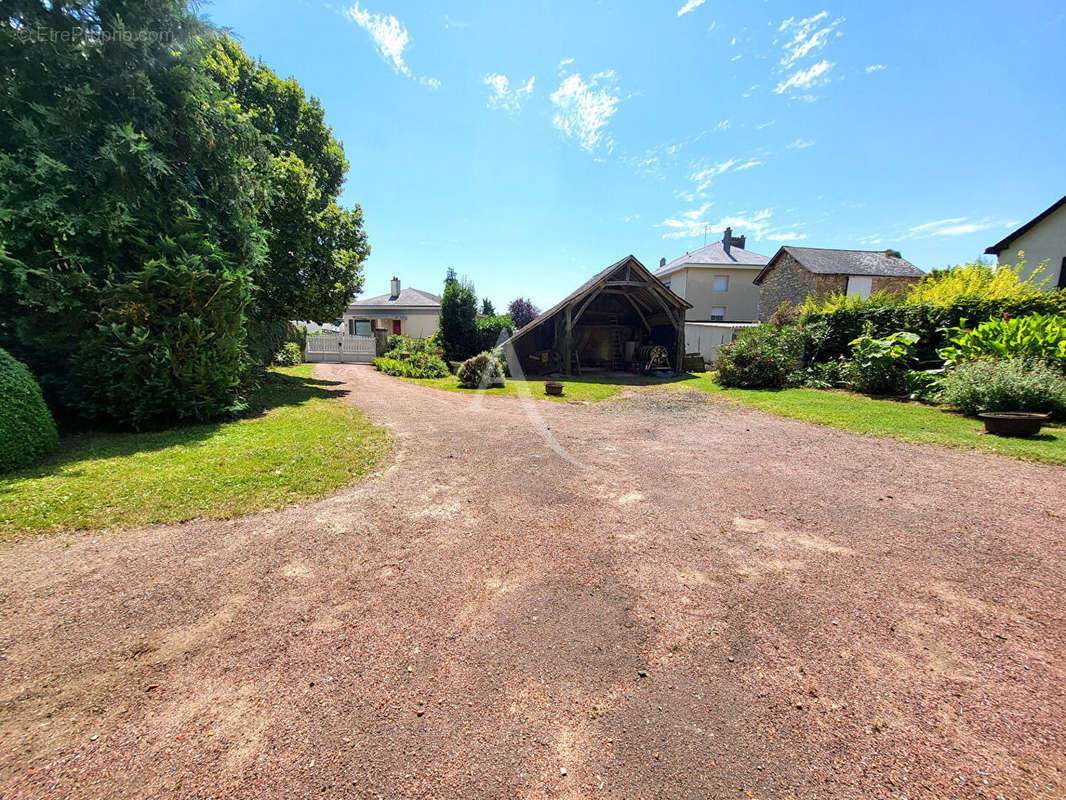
(622, 308)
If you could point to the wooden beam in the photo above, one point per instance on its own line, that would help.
(616, 284)
(585, 305)
(640, 313)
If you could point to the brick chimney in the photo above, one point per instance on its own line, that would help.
(394, 288)
(729, 240)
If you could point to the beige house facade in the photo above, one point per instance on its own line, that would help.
(409, 312)
(1043, 240)
(716, 280)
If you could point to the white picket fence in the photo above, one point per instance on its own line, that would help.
(340, 348)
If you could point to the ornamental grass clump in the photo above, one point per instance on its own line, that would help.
(1005, 384)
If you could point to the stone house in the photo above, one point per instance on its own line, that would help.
(1043, 240)
(796, 273)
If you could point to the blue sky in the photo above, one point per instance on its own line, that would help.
(530, 145)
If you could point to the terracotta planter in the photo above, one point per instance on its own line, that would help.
(553, 387)
(1013, 423)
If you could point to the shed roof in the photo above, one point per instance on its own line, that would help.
(877, 263)
(590, 285)
(1004, 243)
(715, 255)
(407, 298)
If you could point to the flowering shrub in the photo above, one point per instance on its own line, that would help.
(763, 357)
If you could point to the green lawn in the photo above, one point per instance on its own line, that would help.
(592, 389)
(300, 441)
(911, 422)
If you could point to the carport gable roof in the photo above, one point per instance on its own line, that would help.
(652, 284)
(876, 263)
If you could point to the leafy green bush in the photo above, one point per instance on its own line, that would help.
(845, 320)
(289, 355)
(482, 371)
(490, 328)
(764, 356)
(27, 430)
(976, 280)
(168, 347)
(412, 358)
(880, 365)
(823, 375)
(1035, 336)
(1005, 384)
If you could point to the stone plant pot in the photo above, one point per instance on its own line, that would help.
(1013, 423)
(553, 387)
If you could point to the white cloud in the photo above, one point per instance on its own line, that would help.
(705, 176)
(809, 38)
(503, 97)
(876, 67)
(583, 109)
(805, 78)
(800, 144)
(690, 6)
(390, 37)
(784, 236)
(954, 226)
(748, 165)
(722, 126)
(694, 222)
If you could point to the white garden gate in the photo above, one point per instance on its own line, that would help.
(340, 348)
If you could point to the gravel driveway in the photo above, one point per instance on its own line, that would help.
(695, 601)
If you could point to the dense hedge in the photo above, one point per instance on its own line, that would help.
(483, 371)
(929, 321)
(27, 430)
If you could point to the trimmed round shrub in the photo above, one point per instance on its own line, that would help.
(483, 371)
(1008, 384)
(27, 430)
(289, 355)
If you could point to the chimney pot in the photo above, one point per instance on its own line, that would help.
(727, 240)
(662, 262)
(395, 287)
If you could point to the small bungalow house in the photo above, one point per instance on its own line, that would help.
(796, 273)
(622, 316)
(411, 312)
(716, 280)
(1043, 238)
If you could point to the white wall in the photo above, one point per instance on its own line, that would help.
(706, 337)
(417, 324)
(1045, 240)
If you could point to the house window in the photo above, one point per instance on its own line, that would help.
(666, 284)
(721, 283)
(359, 327)
(717, 313)
(860, 285)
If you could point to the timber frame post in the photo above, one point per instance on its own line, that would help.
(568, 342)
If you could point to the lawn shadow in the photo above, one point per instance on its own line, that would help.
(276, 390)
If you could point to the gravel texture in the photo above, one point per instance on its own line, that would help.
(664, 596)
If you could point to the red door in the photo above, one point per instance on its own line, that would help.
(396, 327)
